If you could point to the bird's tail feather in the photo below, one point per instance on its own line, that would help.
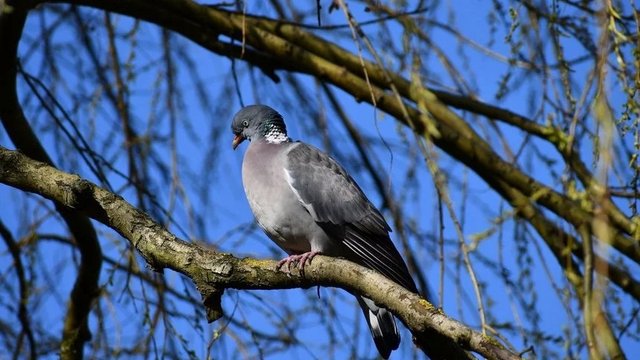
(382, 325)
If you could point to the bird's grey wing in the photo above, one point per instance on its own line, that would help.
(338, 204)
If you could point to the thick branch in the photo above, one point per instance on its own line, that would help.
(212, 272)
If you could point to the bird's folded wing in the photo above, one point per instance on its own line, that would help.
(333, 198)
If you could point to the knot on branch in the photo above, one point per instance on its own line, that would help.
(151, 263)
(78, 194)
(212, 301)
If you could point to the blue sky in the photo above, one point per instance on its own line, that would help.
(203, 142)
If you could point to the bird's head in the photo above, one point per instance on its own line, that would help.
(258, 121)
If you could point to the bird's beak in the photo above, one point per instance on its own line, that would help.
(237, 139)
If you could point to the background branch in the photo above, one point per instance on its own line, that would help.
(85, 290)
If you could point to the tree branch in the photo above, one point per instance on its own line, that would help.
(213, 272)
(25, 288)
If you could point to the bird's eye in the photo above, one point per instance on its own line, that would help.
(245, 123)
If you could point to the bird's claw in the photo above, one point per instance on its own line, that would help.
(300, 260)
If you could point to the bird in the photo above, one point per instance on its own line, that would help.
(308, 204)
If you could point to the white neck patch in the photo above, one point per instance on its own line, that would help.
(275, 137)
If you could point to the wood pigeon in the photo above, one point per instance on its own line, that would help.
(308, 204)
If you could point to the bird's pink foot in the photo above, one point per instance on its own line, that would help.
(300, 260)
